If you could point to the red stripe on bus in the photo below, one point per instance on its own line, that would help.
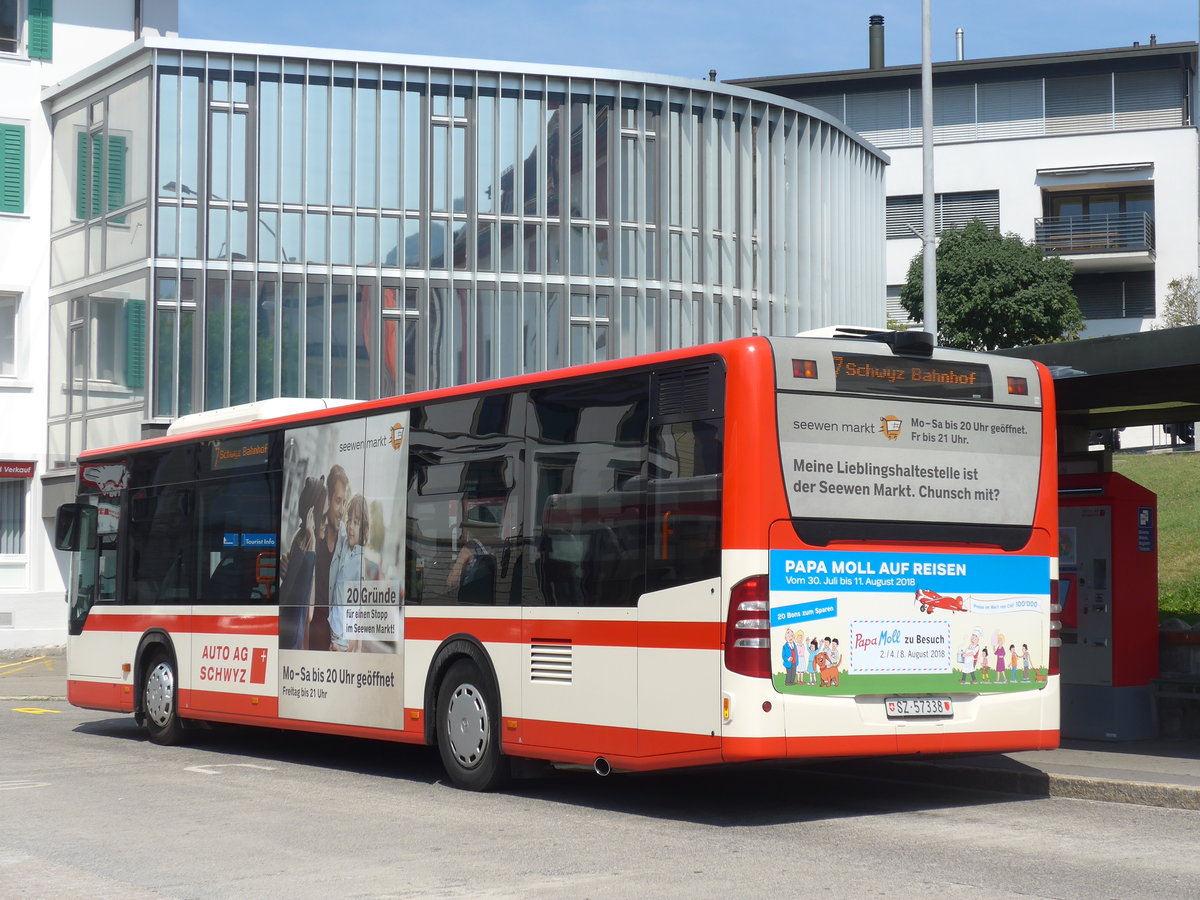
(257, 705)
(107, 696)
(828, 747)
(411, 736)
(587, 633)
(181, 623)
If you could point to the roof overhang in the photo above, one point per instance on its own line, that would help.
(1148, 378)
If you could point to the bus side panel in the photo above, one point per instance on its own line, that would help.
(101, 664)
(497, 629)
(679, 669)
(580, 679)
(234, 664)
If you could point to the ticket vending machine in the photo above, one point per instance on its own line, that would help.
(1108, 590)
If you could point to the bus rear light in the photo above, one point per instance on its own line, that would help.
(804, 368)
(1018, 386)
(747, 648)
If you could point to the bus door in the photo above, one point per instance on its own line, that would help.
(680, 615)
(584, 567)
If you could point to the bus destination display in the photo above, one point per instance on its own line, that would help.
(912, 377)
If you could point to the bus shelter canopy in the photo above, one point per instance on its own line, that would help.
(1117, 381)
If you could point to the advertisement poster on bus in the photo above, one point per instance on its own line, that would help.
(341, 615)
(909, 461)
(868, 622)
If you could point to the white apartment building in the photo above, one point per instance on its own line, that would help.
(1091, 154)
(42, 42)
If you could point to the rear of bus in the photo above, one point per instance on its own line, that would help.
(890, 539)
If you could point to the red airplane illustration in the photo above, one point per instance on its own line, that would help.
(931, 600)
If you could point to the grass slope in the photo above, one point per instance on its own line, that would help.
(1175, 477)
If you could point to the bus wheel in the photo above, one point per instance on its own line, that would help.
(160, 701)
(468, 729)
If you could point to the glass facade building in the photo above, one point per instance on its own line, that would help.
(234, 222)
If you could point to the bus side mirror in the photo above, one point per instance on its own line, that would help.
(75, 524)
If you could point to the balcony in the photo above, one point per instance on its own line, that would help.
(1112, 241)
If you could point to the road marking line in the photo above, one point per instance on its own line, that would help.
(21, 665)
(21, 662)
(36, 710)
(18, 785)
(211, 769)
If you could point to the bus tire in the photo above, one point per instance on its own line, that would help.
(468, 729)
(160, 701)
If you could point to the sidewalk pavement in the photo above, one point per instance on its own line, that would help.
(1148, 773)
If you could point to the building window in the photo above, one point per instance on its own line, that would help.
(1097, 221)
(12, 516)
(12, 166)
(10, 26)
(1134, 201)
(39, 37)
(1115, 295)
(905, 215)
(8, 335)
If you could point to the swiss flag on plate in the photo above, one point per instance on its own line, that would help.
(258, 666)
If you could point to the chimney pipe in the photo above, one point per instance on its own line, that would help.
(958, 43)
(1153, 40)
(712, 74)
(875, 39)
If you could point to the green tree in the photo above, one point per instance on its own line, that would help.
(995, 291)
(1180, 307)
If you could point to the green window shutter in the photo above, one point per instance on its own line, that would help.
(12, 168)
(89, 169)
(82, 207)
(135, 343)
(96, 165)
(116, 175)
(41, 29)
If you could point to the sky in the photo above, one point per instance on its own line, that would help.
(738, 38)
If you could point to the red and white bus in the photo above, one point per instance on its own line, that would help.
(762, 549)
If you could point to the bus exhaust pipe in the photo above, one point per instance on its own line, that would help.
(602, 767)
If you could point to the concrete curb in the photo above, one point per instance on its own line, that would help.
(1036, 783)
(39, 698)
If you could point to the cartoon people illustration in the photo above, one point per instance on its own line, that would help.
(983, 664)
(803, 657)
(1026, 662)
(791, 657)
(348, 568)
(826, 662)
(1012, 660)
(968, 657)
(1001, 659)
(811, 670)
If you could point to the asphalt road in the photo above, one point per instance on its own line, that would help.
(89, 808)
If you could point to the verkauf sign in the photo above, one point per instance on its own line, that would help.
(17, 469)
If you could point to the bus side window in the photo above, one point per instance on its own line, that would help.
(238, 539)
(464, 510)
(587, 446)
(685, 500)
(158, 544)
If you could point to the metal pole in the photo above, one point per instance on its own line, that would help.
(929, 236)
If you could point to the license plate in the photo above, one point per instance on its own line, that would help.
(914, 707)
